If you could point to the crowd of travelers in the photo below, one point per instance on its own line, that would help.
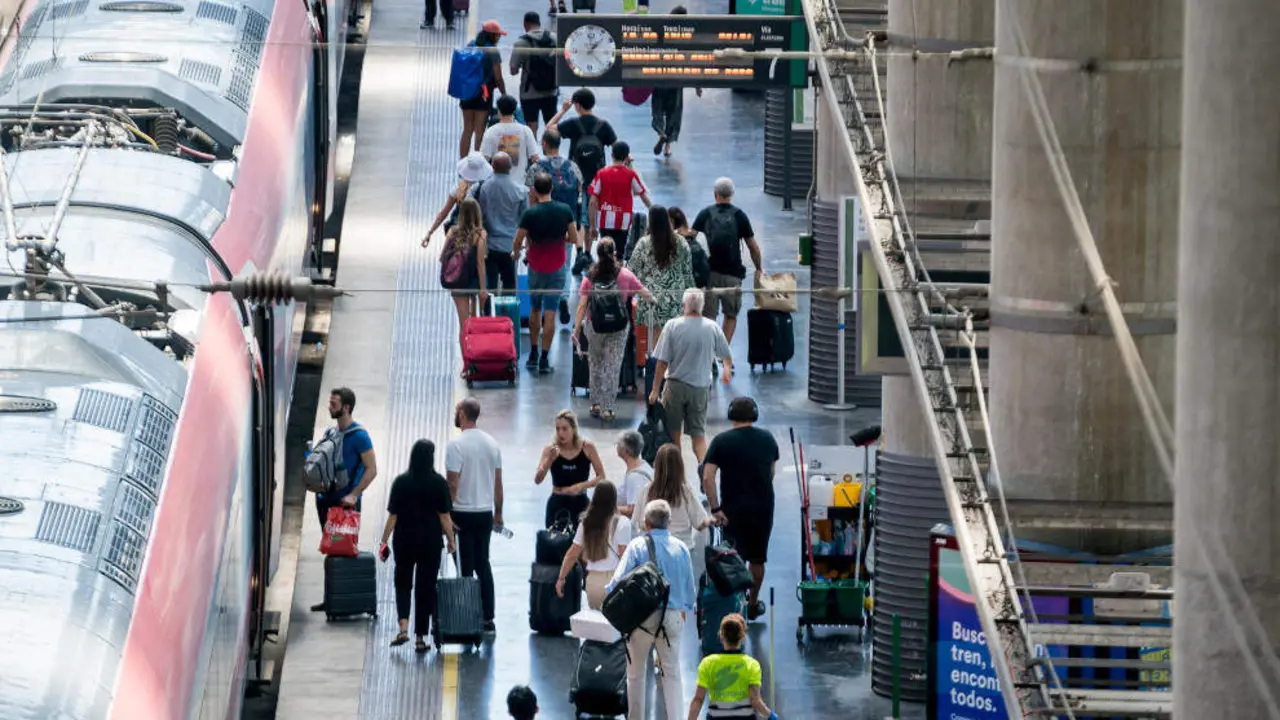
(522, 196)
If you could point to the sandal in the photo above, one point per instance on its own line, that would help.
(421, 646)
(595, 411)
(401, 638)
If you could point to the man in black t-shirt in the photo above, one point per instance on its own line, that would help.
(592, 155)
(726, 228)
(745, 458)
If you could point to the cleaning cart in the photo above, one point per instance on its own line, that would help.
(834, 500)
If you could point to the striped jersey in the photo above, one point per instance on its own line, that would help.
(615, 189)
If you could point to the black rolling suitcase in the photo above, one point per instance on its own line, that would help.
(771, 338)
(599, 684)
(627, 375)
(549, 613)
(459, 612)
(350, 585)
(580, 5)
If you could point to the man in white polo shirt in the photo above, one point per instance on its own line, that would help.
(473, 463)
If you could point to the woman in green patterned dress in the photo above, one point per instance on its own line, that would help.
(662, 263)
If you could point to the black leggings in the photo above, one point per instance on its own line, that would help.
(473, 531)
(416, 573)
(574, 504)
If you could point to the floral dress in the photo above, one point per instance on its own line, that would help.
(666, 284)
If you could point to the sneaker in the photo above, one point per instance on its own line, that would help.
(532, 362)
(450, 26)
(544, 364)
(564, 312)
(756, 610)
(662, 142)
(427, 23)
(318, 607)
(489, 627)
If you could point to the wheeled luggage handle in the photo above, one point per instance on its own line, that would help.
(457, 566)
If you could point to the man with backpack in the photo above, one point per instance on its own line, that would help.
(589, 136)
(611, 208)
(726, 227)
(344, 456)
(537, 71)
(664, 627)
(549, 227)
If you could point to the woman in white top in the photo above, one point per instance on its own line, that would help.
(687, 514)
(601, 539)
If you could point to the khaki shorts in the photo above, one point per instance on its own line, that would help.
(686, 408)
(724, 293)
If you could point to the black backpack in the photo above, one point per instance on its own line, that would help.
(723, 242)
(653, 431)
(588, 151)
(701, 265)
(608, 311)
(638, 595)
(540, 67)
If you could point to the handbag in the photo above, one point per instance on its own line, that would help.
(776, 292)
(341, 532)
(725, 567)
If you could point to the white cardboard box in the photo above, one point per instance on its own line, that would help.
(592, 625)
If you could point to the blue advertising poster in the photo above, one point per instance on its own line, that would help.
(963, 680)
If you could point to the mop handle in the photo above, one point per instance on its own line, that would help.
(773, 683)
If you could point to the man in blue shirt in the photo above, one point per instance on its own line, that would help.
(677, 567)
(357, 458)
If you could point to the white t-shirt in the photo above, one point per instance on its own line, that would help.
(476, 457)
(633, 483)
(621, 536)
(515, 140)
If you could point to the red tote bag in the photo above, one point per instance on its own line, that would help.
(341, 532)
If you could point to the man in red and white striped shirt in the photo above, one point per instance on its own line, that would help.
(612, 206)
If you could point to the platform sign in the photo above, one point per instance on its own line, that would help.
(676, 50)
(879, 347)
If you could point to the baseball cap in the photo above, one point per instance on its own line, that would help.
(492, 26)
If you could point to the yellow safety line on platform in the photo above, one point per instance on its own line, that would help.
(449, 694)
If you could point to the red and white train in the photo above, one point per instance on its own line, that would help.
(151, 146)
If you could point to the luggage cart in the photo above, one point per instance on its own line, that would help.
(833, 588)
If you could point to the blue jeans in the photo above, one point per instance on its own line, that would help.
(546, 289)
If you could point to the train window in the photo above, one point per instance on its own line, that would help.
(58, 351)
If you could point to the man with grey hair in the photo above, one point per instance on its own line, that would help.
(662, 630)
(687, 347)
(726, 227)
(503, 200)
(638, 474)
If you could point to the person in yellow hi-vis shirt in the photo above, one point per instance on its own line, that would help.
(731, 678)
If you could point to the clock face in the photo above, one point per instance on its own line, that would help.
(589, 51)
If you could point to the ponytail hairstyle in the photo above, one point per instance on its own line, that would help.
(605, 269)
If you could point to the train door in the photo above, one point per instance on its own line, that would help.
(264, 464)
(320, 120)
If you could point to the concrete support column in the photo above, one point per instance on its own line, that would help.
(1066, 424)
(1228, 386)
(939, 127)
(834, 176)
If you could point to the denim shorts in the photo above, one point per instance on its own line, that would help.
(552, 287)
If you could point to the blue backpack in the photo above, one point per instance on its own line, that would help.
(565, 186)
(468, 72)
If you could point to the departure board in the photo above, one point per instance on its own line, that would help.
(673, 50)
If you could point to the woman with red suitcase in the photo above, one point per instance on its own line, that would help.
(465, 245)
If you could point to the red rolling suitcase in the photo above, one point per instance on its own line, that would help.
(489, 350)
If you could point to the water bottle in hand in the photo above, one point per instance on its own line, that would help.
(503, 531)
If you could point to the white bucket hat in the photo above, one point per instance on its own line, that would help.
(474, 168)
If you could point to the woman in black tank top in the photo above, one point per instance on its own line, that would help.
(570, 459)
